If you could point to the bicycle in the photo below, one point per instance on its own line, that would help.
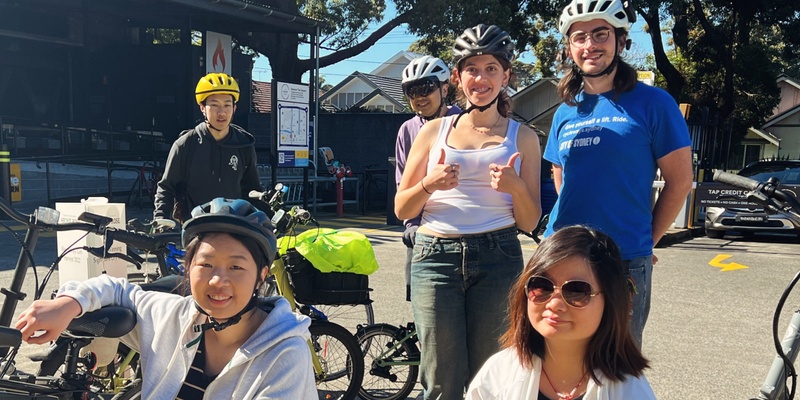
(391, 359)
(347, 314)
(75, 381)
(336, 355)
(774, 200)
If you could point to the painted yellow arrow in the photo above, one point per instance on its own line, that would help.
(731, 266)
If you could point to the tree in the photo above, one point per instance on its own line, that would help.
(728, 54)
(346, 21)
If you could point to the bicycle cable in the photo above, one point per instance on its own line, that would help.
(26, 251)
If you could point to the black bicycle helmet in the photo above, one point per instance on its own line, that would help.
(483, 39)
(232, 216)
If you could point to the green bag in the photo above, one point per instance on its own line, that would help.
(330, 250)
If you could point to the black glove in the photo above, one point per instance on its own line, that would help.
(409, 236)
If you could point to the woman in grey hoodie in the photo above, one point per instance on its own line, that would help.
(216, 343)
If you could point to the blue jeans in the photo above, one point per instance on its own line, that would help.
(459, 294)
(641, 270)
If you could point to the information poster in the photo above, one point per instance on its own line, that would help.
(294, 137)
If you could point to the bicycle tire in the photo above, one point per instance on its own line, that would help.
(341, 359)
(391, 382)
(132, 391)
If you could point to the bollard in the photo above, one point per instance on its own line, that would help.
(5, 172)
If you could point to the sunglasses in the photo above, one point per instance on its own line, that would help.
(599, 35)
(576, 294)
(420, 88)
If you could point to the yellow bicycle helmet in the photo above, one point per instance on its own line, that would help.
(216, 83)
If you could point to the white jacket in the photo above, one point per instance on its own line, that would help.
(275, 363)
(503, 377)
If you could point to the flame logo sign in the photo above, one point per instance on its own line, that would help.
(219, 57)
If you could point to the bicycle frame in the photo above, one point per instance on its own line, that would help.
(278, 270)
(380, 361)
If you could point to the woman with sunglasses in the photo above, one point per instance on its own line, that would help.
(475, 178)
(568, 336)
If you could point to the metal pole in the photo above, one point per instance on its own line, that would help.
(5, 172)
(315, 151)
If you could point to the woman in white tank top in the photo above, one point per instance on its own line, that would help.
(475, 178)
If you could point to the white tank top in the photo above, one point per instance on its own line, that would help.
(473, 206)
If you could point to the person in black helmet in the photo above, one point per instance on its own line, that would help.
(215, 343)
(475, 178)
(215, 159)
(609, 136)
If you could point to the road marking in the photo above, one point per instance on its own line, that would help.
(731, 266)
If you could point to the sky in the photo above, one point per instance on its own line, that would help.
(397, 40)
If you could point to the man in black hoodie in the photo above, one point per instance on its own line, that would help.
(215, 159)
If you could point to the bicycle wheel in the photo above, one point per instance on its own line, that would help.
(132, 391)
(347, 315)
(341, 360)
(392, 364)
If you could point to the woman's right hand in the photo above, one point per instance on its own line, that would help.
(442, 176)
(49, 316)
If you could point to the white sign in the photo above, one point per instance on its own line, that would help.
(646, 77)
(218, 53)
(293, 133)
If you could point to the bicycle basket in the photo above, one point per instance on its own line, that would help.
(311, 286)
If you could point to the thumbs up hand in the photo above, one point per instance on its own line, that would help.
(442, 176)
(503, 177)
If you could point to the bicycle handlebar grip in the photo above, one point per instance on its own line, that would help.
(255, 194)
(735, 180)
(138, 240)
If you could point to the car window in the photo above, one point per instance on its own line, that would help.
(762, 172)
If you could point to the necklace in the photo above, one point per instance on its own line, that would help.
(484, 130)
(564, 396)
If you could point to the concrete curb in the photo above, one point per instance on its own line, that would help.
(675, 236)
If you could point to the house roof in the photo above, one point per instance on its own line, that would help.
(780, 117)
(789, 80)
(766, 136)
(262, 97)
(389, 88)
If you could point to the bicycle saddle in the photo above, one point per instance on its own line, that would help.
(110, 322)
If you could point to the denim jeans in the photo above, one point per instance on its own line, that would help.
(641, 270)
(459, 296)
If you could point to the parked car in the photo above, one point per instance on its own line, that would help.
(750, 220)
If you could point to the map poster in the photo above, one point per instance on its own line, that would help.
(292, 120)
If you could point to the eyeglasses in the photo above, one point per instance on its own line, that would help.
(599, 35)
(576, 294)
(420, 88)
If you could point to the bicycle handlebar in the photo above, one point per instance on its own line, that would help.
(735, 180)
(767, 194)
(138, 240)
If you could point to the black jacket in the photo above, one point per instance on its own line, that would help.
(200, 169)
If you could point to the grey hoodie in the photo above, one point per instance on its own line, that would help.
(275, 363)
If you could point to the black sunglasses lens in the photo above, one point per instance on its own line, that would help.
(540, 289)
(577, 293)
(421, 89)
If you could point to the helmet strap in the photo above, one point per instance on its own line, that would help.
(438, 112)
(475, 107)
(607, 70)
(216, 325)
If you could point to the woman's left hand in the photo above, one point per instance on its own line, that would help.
(504, 176)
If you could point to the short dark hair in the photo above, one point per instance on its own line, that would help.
(612, 350)
(249, 243)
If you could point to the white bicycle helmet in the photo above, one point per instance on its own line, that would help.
(615, 12)
(425, 67)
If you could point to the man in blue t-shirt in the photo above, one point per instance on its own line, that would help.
(425, 86)
(608, 139)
